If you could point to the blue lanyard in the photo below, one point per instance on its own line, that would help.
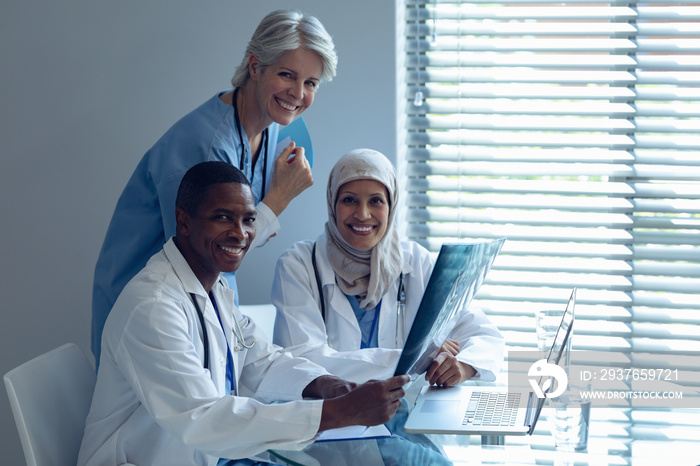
(374, 325)
(229, 357)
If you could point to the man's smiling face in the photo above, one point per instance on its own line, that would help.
(221, 232)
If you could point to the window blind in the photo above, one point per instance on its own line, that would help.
(571, 128)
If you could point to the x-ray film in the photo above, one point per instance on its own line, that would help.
(459, 271)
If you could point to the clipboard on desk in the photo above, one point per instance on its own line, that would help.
(354, 433)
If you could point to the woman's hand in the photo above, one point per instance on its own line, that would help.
(291, 175)
(450, 346)
(446, 370)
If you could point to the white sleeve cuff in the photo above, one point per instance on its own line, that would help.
(266, 225)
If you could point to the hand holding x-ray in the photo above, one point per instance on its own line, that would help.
(459, 271)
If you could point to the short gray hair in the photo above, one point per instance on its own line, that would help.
(284, 30)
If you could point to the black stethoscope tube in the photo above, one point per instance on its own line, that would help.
(263, 143)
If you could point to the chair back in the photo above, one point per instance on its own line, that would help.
(263, 315)
(50, 398)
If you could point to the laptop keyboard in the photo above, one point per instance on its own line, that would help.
(492, 409)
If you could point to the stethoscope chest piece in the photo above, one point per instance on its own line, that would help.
(242, 341)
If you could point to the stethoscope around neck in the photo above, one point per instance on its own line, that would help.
(236, 330)
(400, 303)
(263, 146)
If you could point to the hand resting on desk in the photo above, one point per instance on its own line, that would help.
(446, 370)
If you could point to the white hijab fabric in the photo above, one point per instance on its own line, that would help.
(364, 273)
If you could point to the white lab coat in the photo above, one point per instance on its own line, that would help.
(156, 404)
(299, 326)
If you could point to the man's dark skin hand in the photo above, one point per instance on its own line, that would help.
(346, 404)
(327, 386)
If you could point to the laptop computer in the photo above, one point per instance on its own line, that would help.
(459, 271)
(489, 410)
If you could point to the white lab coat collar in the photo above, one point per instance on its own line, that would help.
(182, 268)
(191, 283)
(225, 300)
(339, 301)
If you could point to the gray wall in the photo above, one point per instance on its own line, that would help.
(88, 87)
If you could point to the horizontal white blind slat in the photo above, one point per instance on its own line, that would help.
(594, 11)
(581, 77)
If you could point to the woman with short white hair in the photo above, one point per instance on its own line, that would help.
(287, 58)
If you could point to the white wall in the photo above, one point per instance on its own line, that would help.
(88, 87)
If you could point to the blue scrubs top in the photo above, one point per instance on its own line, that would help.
(144, 218)
(367, 320)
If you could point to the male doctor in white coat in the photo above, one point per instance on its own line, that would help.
(176, 352)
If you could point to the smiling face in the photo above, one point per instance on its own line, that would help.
(287, 87)
(362, 213)
(217, 238)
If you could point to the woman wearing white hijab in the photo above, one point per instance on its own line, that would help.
(361, 269)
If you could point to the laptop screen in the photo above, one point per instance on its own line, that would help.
(559, 348)
(563, 332)
(458, 273)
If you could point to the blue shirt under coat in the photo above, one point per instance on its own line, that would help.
(368, 321)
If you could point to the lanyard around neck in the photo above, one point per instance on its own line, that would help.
(205, 338)
(263, 147)
(400, 304)
(229, 356)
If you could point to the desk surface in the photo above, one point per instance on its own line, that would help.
(610, 443)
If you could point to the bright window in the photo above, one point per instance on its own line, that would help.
(572, 129)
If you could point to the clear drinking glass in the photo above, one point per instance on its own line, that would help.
(572, 415)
